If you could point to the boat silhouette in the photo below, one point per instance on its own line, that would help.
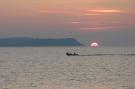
(72, 54)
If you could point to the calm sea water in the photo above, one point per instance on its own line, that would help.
(50, 68)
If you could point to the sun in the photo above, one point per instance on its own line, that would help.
(94, 44)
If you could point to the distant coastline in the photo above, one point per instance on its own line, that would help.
(31, 42)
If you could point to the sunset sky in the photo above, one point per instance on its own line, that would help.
(109, 22)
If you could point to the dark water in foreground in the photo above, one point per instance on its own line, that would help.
(50, 68)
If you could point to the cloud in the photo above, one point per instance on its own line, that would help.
(98, 12)
(106, 27)
(92, 14)
(50, 11)
(75, 22)
(92, 29)
(106, 11)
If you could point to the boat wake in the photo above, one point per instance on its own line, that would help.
(76, 54)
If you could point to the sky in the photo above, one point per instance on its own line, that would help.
(108, 22)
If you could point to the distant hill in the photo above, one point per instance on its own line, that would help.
(5, 42)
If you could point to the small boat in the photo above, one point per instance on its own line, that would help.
(72, 54)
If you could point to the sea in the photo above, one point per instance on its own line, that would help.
(51, 68)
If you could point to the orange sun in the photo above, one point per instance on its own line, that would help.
(94, 44)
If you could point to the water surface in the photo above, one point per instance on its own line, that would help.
(50, 68)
